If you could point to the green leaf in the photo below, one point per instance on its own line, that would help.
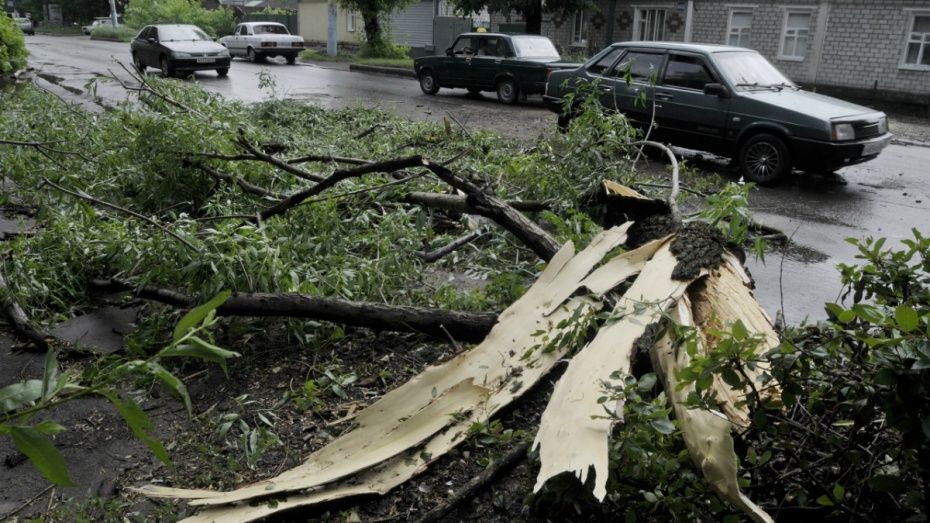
(17, 395)
(846, 316)
(647, 382)
(825, 501)
(906, 318)
(663, 426)
(173, 383)
(43, 454)
(50, 374)
(839, 492)
(139, 424)
(739, 330)
(731, 377)
(197, 314)
(49, 427)
(198, 348)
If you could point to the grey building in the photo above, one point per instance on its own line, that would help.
(863, 48)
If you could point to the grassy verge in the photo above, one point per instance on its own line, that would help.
(116, 34)
(45, 28)
(403, 63)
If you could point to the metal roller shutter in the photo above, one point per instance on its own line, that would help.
(414, 25)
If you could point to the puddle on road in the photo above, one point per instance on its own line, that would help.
(101, 331)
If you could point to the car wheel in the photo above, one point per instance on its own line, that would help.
(250, 55)
(507, 91)
(222, 72)
(136, 61)
(291, 59)
(166, 69)
(428, 83)
(764, 159)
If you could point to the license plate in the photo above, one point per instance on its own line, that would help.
(875, 147)
(206, 60)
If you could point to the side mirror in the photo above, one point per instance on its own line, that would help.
(449, 52)
(151, 40)
(716, 90)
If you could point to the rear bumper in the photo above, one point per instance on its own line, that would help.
(191, 64)
(814, 154)
(278, 51)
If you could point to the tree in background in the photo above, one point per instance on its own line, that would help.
(376, 41)
(12, 46)
(217, 22)
(532, 10)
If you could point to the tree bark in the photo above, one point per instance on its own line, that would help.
(533, 16)
(438, 323)
(372, 28)
(21, 323)
(455, 203)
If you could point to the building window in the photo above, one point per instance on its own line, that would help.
(739, 29)
(649, 24)
(795, 34)
(917, 50)
(580, 29)
(350, 22)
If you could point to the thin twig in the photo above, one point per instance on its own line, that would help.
(454, 119)
(328, 158)
(244, 185)
(27, 503)
(673, 195)
(439, 253)
(277, 162)
(89, 198)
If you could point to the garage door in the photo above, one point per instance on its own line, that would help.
(414, 25)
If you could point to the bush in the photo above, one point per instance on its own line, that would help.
(123, 33)
(12, 46)
(384, 49)
(216, 22)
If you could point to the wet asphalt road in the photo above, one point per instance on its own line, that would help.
(885, 197)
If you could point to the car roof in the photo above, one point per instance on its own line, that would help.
(679, 46)
(505, 35)
(262, 23)
(174, 25)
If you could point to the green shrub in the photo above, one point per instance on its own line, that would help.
(384, 49)
(216, 22)
(12, 46)
(123, 33)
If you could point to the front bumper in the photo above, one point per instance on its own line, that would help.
(815, 154)
(553, 104)
(191, 64)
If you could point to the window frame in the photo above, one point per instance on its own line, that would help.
(639, 10)
(610, 67)
(811, 30)
(350, 21)
(579, 25)
(707, 63)
(739, 9)
(659, 71)
(912, 15)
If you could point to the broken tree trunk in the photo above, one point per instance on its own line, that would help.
(20, 320)
(498, 364)
(438, 323)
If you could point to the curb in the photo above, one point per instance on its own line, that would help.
(392, 71)
(909, 143)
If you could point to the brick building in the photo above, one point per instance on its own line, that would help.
(863, 48)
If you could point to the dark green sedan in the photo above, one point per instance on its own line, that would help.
(729, 101)
(511, 65)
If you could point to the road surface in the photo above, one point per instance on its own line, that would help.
(886, 197)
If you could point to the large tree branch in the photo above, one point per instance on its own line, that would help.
(246, 187)
(339, 175)
(463, 326)
(21, 323)
(277, 162)
(461, 204)
(504, 215)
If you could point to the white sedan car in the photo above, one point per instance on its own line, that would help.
(259, 40)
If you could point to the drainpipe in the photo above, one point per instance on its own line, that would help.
(689, 21)
(823, 15)
(611, 15)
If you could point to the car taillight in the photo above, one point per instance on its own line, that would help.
(297, 44)
(268, 44)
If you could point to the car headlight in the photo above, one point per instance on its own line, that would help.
(843, 131)
(883, 125)
(176, 54)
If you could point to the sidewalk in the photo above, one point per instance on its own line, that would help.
(360, 68)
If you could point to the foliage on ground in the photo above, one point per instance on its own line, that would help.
(12, 46)
(217, 22)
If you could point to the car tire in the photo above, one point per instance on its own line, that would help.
(507, 91)
(291, 59)
(251, 55)
(764, 159)
(428, 83)
(166, 69)
(137, 63)
(222, 72)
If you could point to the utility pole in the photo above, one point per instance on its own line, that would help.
(113, 13)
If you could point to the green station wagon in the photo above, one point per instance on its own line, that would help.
(728, 101)
(511, 65)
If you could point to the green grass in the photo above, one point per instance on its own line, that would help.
(122, 33)
(311, 54)
(57, 29)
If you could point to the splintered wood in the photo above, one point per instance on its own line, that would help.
(410, 427)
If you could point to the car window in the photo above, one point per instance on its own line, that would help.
(687, 71)
(491, 46)
(273, 29)
(153, 33)
(602, 65)
(182, 33)
(463, 46)
(641, 65)
(534, 46)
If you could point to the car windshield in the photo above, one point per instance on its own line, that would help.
(534, 46)
(179, 33)
(749, 70)
(270, 29)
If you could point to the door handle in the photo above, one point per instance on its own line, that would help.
(606, 89)
(664, 96)
(657, 106)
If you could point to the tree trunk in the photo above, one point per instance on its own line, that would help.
(372, 29)
(533, 16)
